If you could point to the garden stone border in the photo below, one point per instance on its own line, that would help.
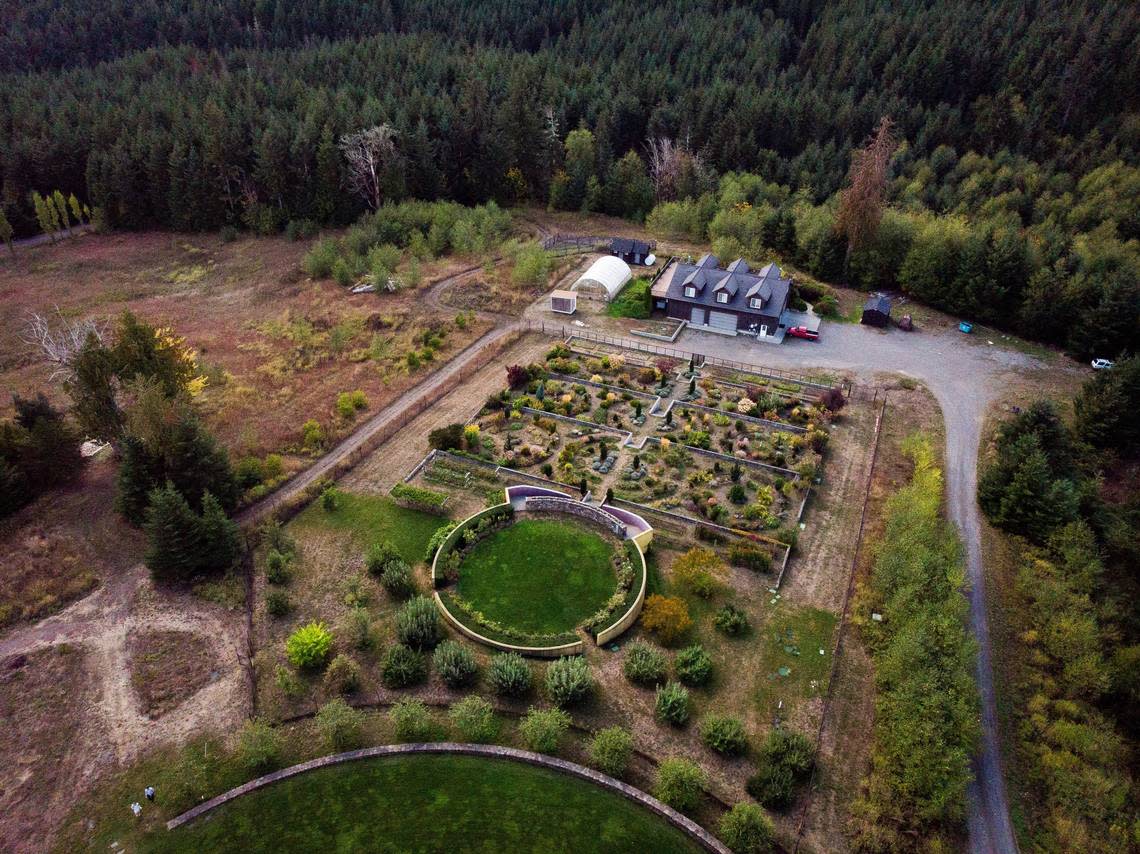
(686, 825)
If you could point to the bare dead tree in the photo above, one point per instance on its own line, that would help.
(59, 339)
(369, 152)
(861, 203)
(671, 165)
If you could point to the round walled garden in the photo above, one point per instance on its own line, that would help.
(532, 580)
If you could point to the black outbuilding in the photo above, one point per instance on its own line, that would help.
(877, 311)
(630, 251)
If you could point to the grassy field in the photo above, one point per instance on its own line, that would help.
(539, 575)
(428, 803)
(371, 519)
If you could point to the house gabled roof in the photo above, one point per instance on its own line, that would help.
(728, 283)
(767, 284)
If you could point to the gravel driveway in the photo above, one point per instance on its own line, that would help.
(965, 374)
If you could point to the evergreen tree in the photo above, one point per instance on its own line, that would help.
(92, 391)
(6, 232)
(175, 543)
(221, 543)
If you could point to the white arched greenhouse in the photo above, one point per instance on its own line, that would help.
(604, 279)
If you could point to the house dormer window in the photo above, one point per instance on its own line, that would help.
(722, 296)
(690, 292)
(756, 302)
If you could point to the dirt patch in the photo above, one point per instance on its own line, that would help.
(45, 699)
(167, 667)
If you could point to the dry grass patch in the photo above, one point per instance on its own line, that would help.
(62, 545)
(168, 667)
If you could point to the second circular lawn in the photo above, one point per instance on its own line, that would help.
(539, 575)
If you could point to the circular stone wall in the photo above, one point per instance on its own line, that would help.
(530, 580)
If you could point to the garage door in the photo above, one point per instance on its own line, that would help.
(697, 318)
(722, 320)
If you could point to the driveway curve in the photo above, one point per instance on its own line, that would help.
(965, 375)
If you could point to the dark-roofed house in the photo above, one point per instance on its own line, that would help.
(728, 299)
(877, 311)
(630, 251)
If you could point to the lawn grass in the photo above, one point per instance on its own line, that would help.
(632, 300)
(373, 519)
(539, 575)
(427, 803)
(792, 639)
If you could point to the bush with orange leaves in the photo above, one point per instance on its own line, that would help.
(667, 617)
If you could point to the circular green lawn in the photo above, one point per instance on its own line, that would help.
(540, 576)
(428, 803)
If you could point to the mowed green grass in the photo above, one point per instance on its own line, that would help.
(428, 804)
(373, 518)
(539, 575)
(632, 300)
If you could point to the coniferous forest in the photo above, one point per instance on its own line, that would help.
(1015, 187)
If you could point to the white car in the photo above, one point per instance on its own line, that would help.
(1103, 364)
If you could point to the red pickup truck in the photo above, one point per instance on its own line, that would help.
(803, 332)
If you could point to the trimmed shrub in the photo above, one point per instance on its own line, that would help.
(474, 719)
(509, 675)
(455, 664)
(308, 647)
(693, 665)
(610, 750)
(343, 675)
(330, 499)
(312, 435)
(358, 629)
(288, 682)
(380, 556)
(348, 403)
(747, 830)
(644, 664)
(276, 567)
(417, 624)
(397, 580)
(724, 734)
(402, 667)
(446, 438)
(277, 603)
(569, 681)
(731, 621)
(680, 784)
(259, 747)
(672, 704)
(413, 722)
(339, 725)
(543, 729)
(785, 761)
(667, 617)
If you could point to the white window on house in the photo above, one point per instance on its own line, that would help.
(690, 292)
(722, 296)
(756, 302)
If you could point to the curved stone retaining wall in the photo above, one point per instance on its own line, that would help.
(547, 504)
(573, 648)
(687, 826)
